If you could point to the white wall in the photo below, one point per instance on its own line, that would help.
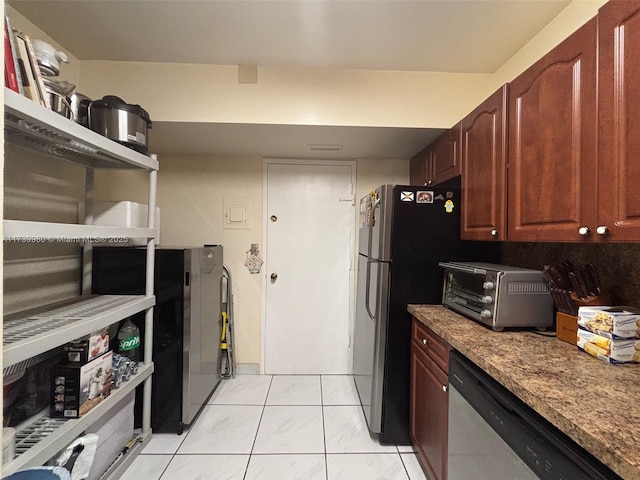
(296, 96)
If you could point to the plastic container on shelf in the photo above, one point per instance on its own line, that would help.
(129, 341)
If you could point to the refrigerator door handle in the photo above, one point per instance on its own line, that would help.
(367, 295)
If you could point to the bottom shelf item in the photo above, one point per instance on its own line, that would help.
(39, 438)
(114, 430)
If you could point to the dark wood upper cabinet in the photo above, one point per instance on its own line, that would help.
(484, 170)
(553, 143)
(418, 168)
(439, 161)
(444, 156)
(618, 122)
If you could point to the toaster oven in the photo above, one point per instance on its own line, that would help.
(499, 296)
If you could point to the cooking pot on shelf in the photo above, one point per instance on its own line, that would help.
(58, 92)
(80, 108)
(120, 121)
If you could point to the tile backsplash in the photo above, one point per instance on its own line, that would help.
(617, 264)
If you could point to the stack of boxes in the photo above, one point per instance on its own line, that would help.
(83, 379)
(610, 333)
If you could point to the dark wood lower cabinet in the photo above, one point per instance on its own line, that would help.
(429, 411)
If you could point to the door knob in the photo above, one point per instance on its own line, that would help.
(274, 277)
(584, 231)
(602, 230)
(494, 232)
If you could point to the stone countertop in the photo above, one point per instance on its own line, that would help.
(593, 402)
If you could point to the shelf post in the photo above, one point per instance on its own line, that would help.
(87, 249)
(149, 287)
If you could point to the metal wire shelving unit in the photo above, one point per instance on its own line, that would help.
(36, 333)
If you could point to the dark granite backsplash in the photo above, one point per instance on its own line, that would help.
(617, 264)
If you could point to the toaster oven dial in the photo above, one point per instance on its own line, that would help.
(487, 299)
(486, 314)
(488, 285)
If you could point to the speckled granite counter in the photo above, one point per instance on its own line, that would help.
(594, 403)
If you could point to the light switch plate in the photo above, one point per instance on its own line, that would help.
(236, 213)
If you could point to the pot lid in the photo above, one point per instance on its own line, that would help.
(111, 101)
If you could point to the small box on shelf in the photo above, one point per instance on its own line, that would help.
(85, 349)
(77, 388)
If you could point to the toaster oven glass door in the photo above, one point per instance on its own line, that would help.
(465, 289)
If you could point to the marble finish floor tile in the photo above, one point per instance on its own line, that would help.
(339, 390)
(286, 467)
(406, 449)
(295, 390)
(318, 433)
(242, 390)
(346, 432)
(223, 429)
(167, 443)
(147, 467)
(412, 466)
(365, 466)
(206, 467)
(290, 429)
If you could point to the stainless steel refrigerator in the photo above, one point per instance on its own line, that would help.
(186, 323)
(404, 232)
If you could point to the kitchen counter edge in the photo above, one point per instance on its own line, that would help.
(593, 402)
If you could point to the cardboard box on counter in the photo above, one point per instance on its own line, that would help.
(626, 350)
(87, 348)
(77, 388)
(610, 322)
(566, 327)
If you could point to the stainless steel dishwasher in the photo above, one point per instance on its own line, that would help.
(495, 435)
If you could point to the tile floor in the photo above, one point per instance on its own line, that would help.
(281, 427)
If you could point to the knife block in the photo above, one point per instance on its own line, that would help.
(602, 299)
(567, 325)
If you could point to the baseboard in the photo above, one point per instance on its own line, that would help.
(247, 369)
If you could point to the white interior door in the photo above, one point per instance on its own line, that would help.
(309, 229)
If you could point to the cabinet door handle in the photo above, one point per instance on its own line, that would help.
(425, 341)
(602, 230)
(584, 231)
(494, 232)
(445, 388)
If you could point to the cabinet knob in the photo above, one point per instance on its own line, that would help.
(494, 232)
(429, 182)
(425, 341)
(584, 231)
(602, 230)
(445, 388)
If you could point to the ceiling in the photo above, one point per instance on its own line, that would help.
(470, 36)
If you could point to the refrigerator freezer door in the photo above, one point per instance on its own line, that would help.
(369, 337)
